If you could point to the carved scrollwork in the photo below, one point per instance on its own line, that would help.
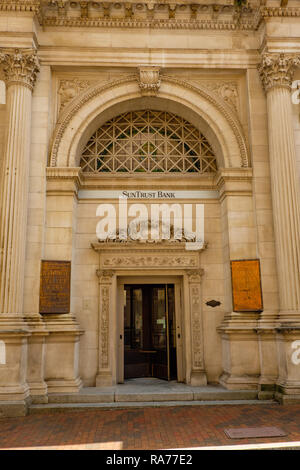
(69, 89)
(149, 261)
(105, 275)
(196, 317)
(20, 67)
(104, 326)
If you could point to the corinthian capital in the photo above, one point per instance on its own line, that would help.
(277, 70)
(20, 67)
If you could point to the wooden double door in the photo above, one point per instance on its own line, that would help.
(149, 331)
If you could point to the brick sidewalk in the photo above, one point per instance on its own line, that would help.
(150, 428)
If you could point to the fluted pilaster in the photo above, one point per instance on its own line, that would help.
(276, 72)
(20, 70)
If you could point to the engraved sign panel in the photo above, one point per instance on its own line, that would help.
(246, 286)
(55, 287)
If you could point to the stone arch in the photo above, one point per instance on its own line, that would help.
(93, 107)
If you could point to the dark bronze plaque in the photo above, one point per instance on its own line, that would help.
(246, 286)
(55, 287)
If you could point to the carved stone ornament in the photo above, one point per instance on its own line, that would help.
(20, 67)
(104, 275)
(149, 80)
(68, 89)
(276, 70)
(194, 275)
(161, 261)
(104, 326)
(20, 5)
(196, 327)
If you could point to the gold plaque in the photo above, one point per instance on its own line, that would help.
(246, 286)
(55, 287)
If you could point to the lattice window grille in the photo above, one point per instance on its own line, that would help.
(148, 142)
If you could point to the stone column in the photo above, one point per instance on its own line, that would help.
(104, 375)
(276, 72)
(198, 375)
(20, 70)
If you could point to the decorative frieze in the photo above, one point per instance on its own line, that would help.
(20, 67)
(147, 261)
(276, 70)
(223, 14)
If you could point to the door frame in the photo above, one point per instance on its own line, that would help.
(177, 281)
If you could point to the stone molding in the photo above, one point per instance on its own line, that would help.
(149, 79)
(276, 70)
(273, 12)
(20, 5)
(92, 92)
(20, 67)
(221, 15)
(234, 182)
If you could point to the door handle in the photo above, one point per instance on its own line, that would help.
(178, 336)
(121, 337)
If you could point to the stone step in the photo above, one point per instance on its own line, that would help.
(94, 395)
(65, 407)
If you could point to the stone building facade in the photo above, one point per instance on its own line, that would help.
(199, 99)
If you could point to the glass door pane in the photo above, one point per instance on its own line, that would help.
(135, 363)
(159, 332)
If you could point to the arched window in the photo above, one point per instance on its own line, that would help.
(148, 142)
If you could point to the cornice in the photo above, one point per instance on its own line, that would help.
(199, 14)
(273, 12)
(152, 24)
(20, 5)
(175, 14)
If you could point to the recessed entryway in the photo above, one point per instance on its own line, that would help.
(149, 331)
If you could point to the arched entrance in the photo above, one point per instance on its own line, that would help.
(112, 140)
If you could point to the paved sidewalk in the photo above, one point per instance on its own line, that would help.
(150, 428)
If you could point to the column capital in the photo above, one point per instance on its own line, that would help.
(277, 70)
(20, 67)
(194, 275)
